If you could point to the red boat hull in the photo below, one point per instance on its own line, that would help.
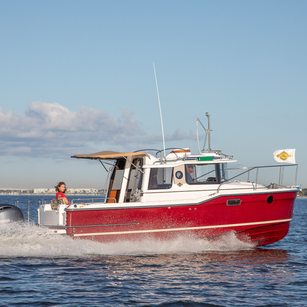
(259, 218)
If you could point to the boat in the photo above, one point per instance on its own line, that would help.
(168, 193)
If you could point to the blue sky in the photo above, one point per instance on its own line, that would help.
(77, 77)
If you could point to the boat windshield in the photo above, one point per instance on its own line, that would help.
(204, 173)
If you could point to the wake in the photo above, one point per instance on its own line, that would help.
(22, 240)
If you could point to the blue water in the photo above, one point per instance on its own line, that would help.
(37, 269)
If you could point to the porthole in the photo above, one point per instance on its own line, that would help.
(179, 174)
(270, 199)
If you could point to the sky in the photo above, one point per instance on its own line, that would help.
(77, 77)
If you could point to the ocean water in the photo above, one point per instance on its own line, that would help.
(37, 269)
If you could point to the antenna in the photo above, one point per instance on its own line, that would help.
(161, 119)
(207, 135)
(197, 135)
(208, 130)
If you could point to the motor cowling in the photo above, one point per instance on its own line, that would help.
(10, 213)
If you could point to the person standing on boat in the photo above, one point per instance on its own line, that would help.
(189, 173)
(60, 193)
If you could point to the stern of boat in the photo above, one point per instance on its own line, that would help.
(54, 219)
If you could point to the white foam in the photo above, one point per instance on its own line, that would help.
(22, 240)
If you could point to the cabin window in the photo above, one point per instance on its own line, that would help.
(202, 173)
(118, 175)
(160, 178)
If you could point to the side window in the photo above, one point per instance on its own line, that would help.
(160, 178)
(202, 173)
(117, 175)
(118, 179)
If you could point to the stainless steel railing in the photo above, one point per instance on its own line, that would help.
(256, 170)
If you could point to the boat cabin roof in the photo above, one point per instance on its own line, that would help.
(176, 157)
(110, 155)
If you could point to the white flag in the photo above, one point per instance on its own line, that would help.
(284, 155)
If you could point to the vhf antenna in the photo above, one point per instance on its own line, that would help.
(160, 110)
(207, 135)
(208, 131)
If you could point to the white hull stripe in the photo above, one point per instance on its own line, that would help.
(178, 229)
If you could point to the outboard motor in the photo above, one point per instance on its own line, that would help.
(10, 213)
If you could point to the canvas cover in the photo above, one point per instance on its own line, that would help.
(110, 155)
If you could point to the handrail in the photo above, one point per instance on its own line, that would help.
(257, 168)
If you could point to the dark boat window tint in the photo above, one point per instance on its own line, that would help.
(160, 178)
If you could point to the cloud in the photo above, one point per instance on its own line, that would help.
(52, 130)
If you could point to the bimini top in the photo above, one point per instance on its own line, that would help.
(110, 155)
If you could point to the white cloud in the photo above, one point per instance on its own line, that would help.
(52, 130)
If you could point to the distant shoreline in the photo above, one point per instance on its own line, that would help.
(51, 191)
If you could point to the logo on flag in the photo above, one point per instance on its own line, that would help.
(284, 155)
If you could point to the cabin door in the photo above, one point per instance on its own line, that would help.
(116, 181)
(134, 186)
